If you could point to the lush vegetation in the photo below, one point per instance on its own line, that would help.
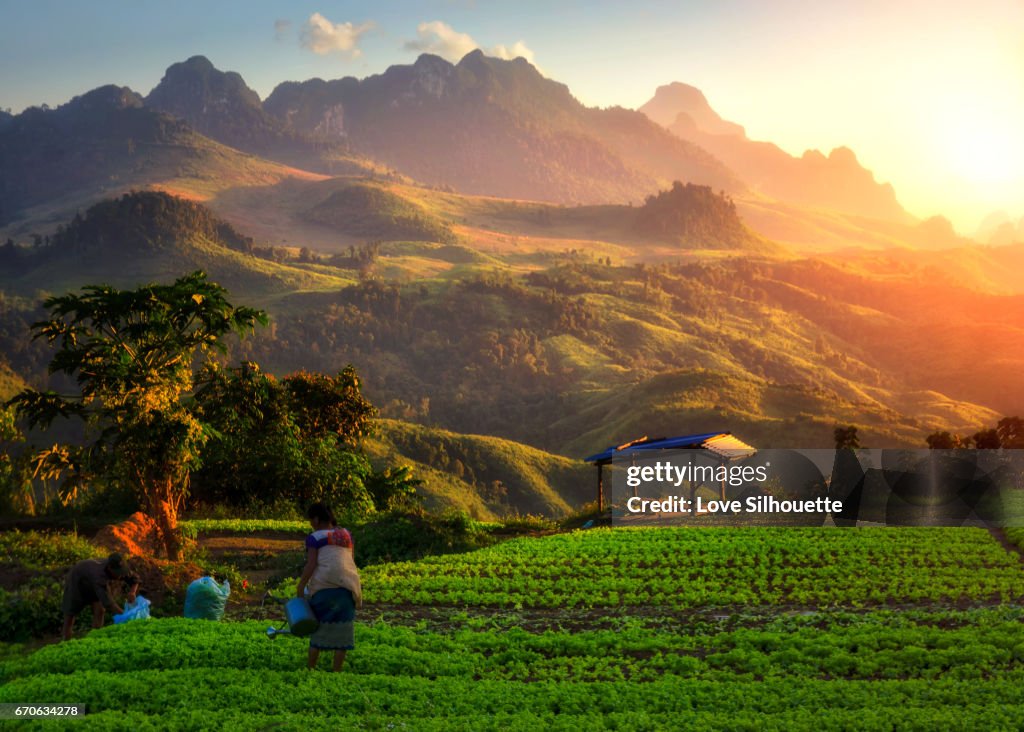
(376, 213)
(1008, 433)
(577, 352)
(505, 476)
(566, 631)
(383, 537)
(290, 443)
(193, 527)
(876, 671)
(131, 355)
(693, 216)
(42, 550)
(33, 565)
(170, 424)
(729, 568)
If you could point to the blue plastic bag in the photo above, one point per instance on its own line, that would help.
(205, 599)
(138, 610)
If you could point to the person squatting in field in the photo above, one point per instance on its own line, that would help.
(331, 579)
(88, 584)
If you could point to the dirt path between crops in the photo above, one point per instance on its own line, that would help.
(999, 535)
(253, 551)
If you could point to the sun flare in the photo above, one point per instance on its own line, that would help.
(984, 151)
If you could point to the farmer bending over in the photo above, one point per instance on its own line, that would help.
(87, 584)
(334, 589)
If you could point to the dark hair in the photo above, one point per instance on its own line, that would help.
(115, 565)
(321, 513)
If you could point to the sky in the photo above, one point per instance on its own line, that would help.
(930, 95)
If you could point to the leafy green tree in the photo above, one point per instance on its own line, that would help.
(334, 405)
(132, 354)
(394, 489)
(290, 441)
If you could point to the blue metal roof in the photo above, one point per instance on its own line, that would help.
(665, 443)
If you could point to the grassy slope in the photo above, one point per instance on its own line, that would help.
(764, 414)
(10, 382)
(993, 269)
(192, 167)
(537, 482)
(521, 232)
(259, 281)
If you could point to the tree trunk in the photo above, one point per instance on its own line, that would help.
(167, 519)
(164, 510)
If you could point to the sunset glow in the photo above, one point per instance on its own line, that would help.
(927, 94)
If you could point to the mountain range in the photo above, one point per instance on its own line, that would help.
(519, 278)
(485, 126)
(999, 229)
(837, 181)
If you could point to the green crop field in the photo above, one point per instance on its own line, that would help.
(655, 628)
(735, 567)
(881, 670)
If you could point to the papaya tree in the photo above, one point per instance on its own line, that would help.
(133, 356)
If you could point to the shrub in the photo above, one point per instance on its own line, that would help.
(33, 610)
(44, 550)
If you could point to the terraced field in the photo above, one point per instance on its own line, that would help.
(787, 629)
(683, 568)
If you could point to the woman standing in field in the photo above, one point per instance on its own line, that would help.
(334, 590)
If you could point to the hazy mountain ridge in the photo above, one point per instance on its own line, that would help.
(485, 125)
(54, 162)
(998, 229)
(47, 153)
(220, 105)
(495, 127)
(215, 103)
(837, 181)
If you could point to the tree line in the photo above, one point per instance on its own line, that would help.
(170, 423)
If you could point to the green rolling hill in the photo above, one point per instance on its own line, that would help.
(483, 475)
(142, 236)
(503, 349)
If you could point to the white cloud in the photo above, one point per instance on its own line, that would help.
(516, 50)
(281, 28)
(442, 40)
(321, 36)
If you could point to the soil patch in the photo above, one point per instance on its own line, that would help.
(138, 540)
(138, 535)
(219, 546)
